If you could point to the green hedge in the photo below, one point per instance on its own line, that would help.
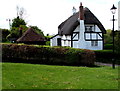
(107, 56)
(47, 55)
(108, 46)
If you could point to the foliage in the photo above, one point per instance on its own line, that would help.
(48, 55)
(23, 28)
(30, 76)
(17, 22)
(39, 31)
(15, 31)
(117, 42)
(106, 56)
(48, 43)
(48, 39)
(19, 27)
(48, 36)
(5, 33)
(108, 37)
(108, 46)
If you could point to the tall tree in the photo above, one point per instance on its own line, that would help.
(16, 32)
(39, 31)
(5, 33)
(108, 36)
(17, 22)
(21, 12)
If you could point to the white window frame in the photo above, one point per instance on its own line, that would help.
(89, 28)
(94, 43)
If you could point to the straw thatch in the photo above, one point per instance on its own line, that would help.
(31, 37)
(69, 25)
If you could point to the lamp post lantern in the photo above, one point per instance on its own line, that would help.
(113, 10)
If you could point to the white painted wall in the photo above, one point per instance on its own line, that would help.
(53, 41)
(97, 29)
(75, 44)
(99, 47)
(87, 44)
(81, 43)
(66, 40)
(77, 29)
(119, 15)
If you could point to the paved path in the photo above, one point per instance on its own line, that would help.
(104, 64)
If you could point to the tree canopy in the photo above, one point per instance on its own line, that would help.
(18, 21)
(5, 33)
(108, 36)
(39, 31)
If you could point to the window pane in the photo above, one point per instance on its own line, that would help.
(94, 43)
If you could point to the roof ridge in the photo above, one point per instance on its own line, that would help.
(68, 26)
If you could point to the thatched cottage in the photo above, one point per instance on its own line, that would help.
(81, 30)
(31, 37)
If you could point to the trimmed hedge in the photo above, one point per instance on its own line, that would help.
(47, 55)
(108, 46)
(106, 56)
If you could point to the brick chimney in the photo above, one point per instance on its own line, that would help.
(81, 12)
(81, 41)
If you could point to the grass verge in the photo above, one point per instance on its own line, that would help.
(32, 76)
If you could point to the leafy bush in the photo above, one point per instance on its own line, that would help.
(47, 55)
(106, 56)
(5, 33)
(108, 46)
(108, 37)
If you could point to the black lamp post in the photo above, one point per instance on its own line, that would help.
(113, 10)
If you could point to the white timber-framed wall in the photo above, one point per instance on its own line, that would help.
(119, 15)
(95, 44)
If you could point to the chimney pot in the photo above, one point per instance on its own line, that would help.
(81, 12)
(74, 10)
(80, 3)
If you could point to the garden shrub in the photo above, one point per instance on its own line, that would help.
(108, 46)
(106, 56)
(88, 55)
(47, 55)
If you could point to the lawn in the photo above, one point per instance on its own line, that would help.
(33, 76)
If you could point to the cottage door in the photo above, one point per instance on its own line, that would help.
(58, 41)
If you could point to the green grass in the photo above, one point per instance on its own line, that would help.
(31, 76)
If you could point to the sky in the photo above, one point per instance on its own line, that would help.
(49, 14)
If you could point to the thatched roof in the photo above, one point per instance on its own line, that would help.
(69, 25)
(30, 35)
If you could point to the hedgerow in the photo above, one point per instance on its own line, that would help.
(47, 55)
(106, 56)
(108, 46)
